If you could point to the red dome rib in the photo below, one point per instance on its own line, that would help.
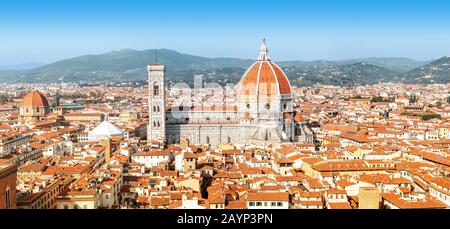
(248, 86)
(269, 79)
(34, 99)
(283, 82)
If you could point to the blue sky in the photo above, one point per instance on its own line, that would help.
(46, 30)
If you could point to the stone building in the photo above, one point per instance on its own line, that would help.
(8, 178)
(34, 107)
(263, 112)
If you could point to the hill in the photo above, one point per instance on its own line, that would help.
(349, 74)
(123, 65)
(130, 65)
(437, 71)
(392, 63)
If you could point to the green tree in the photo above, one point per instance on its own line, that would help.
(427, 117)
(377, 99)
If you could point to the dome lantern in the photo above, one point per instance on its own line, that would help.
(264, 52)
(264, 77)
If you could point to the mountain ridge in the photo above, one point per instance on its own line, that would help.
(437, 71)
(129, 65)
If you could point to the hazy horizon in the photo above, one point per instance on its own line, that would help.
(18, 66)
(47, 31)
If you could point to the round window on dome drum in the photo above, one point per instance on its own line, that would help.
(267, 106)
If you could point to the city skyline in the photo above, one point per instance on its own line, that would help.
(140, 112)
(264, 144)
(48, 31)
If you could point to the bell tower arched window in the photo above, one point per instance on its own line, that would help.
(156, 90)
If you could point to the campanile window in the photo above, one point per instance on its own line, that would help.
(155, 90)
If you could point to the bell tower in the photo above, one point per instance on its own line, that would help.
(156, 102)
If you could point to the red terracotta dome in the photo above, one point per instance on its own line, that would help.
(34, 99)
(264, 77)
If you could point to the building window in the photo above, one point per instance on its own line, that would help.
(274, 204)
(155, 90)
(252, 204)
(157, 109)
(280, 204)
(37, 109)
(229, 139)
(207, 139)
(248, 106)
(8, 197)
(259, 204)
(267, 106)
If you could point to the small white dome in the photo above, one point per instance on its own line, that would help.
(105, 129)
